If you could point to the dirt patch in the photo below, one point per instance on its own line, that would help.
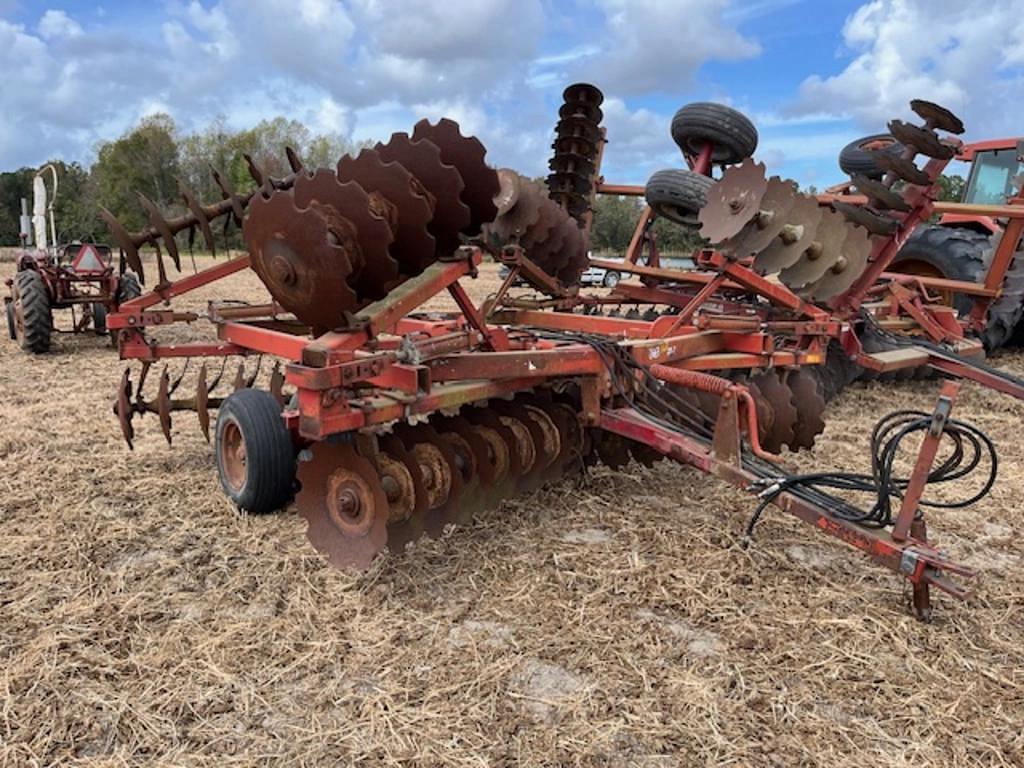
(616, 620)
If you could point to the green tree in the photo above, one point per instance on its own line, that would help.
(951, 188)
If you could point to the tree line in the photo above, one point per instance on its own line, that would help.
(150, 159)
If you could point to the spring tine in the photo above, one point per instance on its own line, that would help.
(177, 382)
(202, 402)
(255, 374)
(254, 170)
(201, 218)
(240, 376)
(229, 194)
(293, 159)
(277, 384)
(159, 223)
(163, 404)
(219, 376)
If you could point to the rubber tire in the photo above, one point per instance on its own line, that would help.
(128, 288)
(853, 160)
(12, 329)
(678, 194)
(99, 318)
(964, 254)
(611, 279)
(37, 316)
(732, 133)
(270, 454)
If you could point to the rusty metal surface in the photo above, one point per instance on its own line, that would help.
(733, 201)
(881, 196)
(922, 140)
(936, 116)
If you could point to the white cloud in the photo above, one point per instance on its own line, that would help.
(958, 53)
(57, 24)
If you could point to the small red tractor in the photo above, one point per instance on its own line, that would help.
(48, 277)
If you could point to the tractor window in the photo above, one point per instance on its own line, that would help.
(992, 176)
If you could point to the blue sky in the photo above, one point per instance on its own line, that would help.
(812, 75)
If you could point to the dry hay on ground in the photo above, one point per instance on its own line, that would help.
(614, 620)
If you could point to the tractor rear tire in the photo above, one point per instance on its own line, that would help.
(12, 328)
(128, 288)
(732, 133)
(99, 318)
(678, 194)
(964, 254)
(255, 453)
(855, 159)
(36, 316)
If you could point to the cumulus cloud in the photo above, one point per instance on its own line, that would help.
(964, 54)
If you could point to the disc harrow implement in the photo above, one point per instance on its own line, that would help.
(382, 423)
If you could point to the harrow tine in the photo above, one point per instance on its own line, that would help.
(293, 160)
(163, 404)
(201, 218)
(202, 402)
(177, 381)
(240, 376)
(254, 170)
(159, 223)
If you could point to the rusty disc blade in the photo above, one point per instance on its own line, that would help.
(902, 167)
(531, 437)
(423, 160)
(293, 254)
(472, 498)
(163, 404)
(765, 414)
(733, 201)
(840, 276)
(518, 202)
(779, 197)
(123, 408)
(587, 111)
(576, 260)
(355, 224)
(413, 247)
(512, 453)
(882, 196)
(938, 116)
(822, 254)
(810, 405)
(801, 229)
(466, 154)
(575, 145)
(920, 139)
(872, 222)
(578, 128)
(572, 162)
(543, 241)
(440, 474)
(402, 532)
(780, 398)
(343, 504)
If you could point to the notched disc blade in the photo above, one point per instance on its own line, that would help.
(293, 254)
(802, 223)
(578, 128)
(841, 275)
(370, 234)
(823, 252)
(810, 406)
(780, 398)
(872, 222)
(423, 160)
(883, 197)
(902, 167)
(413, 247)
(467, 155)
(938, 116)
(779, 197)
(344, 504)
(403, 532)
(733, 201)
(921, 139)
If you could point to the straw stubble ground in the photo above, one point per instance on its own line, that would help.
(614, 620)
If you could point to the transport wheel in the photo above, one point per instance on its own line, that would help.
(33, 319)
(678, 194)
(611, 279)
(128, 288)
(858, 157)
(732, 133)
(964, 254)
(12, 329)
(255, 453)
(99, 318)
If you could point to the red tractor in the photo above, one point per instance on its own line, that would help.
(963, 246)
(48, 277)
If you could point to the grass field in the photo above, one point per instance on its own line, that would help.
(612, 620)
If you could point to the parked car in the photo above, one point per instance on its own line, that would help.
(599, 276)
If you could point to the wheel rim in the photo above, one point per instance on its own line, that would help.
(233, 456)
(877, 145)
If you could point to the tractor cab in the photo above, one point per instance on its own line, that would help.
(993, 178)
